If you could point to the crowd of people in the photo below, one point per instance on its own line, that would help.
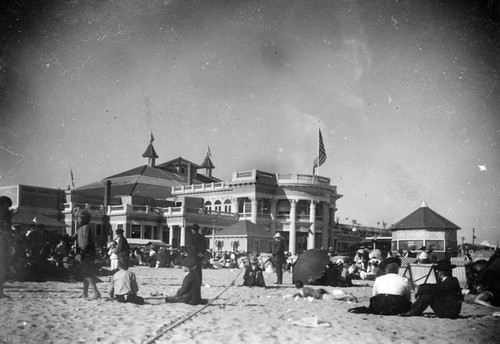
(32, 256)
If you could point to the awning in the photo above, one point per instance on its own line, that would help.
(23, 218)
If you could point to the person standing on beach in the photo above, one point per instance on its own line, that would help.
(197, 249)
(278, 253)
(122, 247)
(444, 297)
(5, 242)
(86, 253)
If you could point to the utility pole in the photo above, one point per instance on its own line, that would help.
(473, 235)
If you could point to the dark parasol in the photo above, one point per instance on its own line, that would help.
(310, 266)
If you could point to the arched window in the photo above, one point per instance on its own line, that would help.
(208, 205)
(217, 206)
(227, 206)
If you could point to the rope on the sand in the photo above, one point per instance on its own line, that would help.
(189, 316)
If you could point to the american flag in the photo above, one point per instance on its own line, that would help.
(320, 160)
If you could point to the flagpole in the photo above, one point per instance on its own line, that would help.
(319, 147)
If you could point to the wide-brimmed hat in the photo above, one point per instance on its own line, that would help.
(119, 231)
(444, 265)
(195, 227)
(360, 250)
(277, 235)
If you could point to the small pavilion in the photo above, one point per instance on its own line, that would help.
(425, 227)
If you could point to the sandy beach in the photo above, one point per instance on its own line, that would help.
(51, 312)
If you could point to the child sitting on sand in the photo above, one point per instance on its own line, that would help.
(319, 294)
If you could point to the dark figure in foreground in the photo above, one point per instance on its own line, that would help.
(5, 242)
(444, 297)
(86, 254)
(190, 291)
(253, 274)
(123, 286)
(488, 282)
(197, 249)
(122, 247)
(278, 253)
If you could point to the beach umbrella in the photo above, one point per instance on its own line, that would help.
(310, 266)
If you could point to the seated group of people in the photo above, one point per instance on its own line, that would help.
(124, 288)
(391, 293)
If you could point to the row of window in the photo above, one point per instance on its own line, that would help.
(405, 245)
(283, 206)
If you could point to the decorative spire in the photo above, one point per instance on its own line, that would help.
(424, 205)
(208, 164)
(150, 153)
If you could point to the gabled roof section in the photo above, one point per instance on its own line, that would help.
(178, 162)
(247, 228)
(140, 181)
(424, 218)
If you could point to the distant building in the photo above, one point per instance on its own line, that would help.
(425, 227)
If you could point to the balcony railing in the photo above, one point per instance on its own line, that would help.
(302, 179)
(198, 187)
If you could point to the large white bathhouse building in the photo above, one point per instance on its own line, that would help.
(161, 201)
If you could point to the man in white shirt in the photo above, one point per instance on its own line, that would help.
(391, 292)
(123, 286)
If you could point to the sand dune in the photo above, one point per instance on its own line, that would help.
(51, 312)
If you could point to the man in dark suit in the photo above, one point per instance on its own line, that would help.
(197, 249)
(122, 247)
(278, 253)
(444, 297)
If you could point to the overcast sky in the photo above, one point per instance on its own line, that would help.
(406, 94)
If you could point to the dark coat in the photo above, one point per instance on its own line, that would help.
(278, 251)
(198, 246)
(446, 297)
(123, 248)
(190, 291)
(253, 278)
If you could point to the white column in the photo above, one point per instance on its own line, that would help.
(312, 229)
(183, 236)
(326, 225)
(253, 217)
(292, 235)
(273, 215)
(171, 235)
(234, 205)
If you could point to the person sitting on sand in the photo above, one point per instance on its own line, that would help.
(488, 281)
(318, 294)
(190, 291)
(123, 286)
(253, 274)
(391, 294)
(444, 297)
